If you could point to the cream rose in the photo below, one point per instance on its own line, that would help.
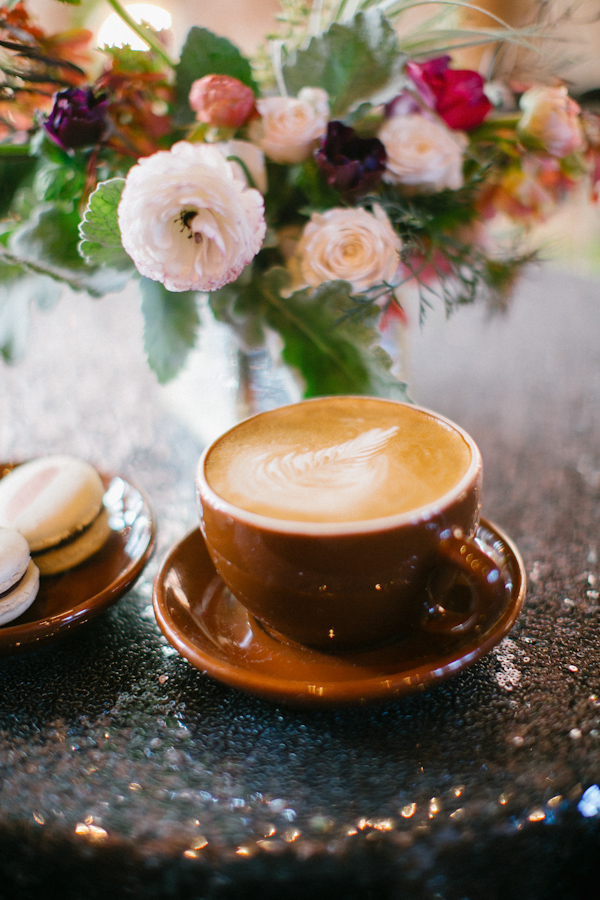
(289, 128)
(422, 154)
(551, 120)
(188, 219)
(349, 245)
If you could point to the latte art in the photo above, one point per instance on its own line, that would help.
(337, 459)
(343, 474)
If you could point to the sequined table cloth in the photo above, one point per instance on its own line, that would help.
(125, 772)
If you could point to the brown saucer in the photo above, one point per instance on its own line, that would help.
(206, 624)
(74, 597)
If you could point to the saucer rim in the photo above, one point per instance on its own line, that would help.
(24, 637)
(366, 689)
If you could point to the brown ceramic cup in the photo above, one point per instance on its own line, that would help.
(356, 581)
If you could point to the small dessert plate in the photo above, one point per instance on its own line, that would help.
(66, 601)
(202, 619)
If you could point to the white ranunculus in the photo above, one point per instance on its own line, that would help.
(252, 157)
(422, 154)
(290, 128)
(188, 220)
(350, 245)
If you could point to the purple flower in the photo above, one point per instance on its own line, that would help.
(351, 164)
(78, 118)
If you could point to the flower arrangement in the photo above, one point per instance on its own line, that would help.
(304, 189)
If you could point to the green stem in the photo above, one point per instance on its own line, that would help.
(15, 149)
(145, 34)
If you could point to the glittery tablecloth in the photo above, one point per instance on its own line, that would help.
(127, 773)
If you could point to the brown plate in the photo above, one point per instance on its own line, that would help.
(206, 624)
(72, 598)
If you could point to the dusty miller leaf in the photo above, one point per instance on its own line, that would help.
(171, 322)
(328, 335)
(351, 62)
(99, 230)
(46, 244)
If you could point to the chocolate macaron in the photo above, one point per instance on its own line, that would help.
(56, 504)
(19, 576)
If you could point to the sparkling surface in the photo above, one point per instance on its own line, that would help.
(125, 769)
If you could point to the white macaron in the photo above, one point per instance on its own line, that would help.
(19, 576)
(56, 504)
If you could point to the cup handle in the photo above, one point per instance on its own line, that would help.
(478, 579)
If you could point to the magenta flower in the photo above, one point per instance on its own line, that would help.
(351, 164)
(457, 95)
(78, 118)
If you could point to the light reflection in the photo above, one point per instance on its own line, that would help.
(115, 33)
(94, 832)
(537, 815)
(376, 824)
(434, 806)
(589, 805)
(409, 810)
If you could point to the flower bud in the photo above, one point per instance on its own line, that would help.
(78, 118)
(221, 101)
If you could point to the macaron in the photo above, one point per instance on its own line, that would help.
(19, 576)
(56, 504)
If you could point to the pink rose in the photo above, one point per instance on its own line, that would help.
(550, 121)
(221, 101)
(457, 95)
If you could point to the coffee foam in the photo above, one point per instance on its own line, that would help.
(337, 460)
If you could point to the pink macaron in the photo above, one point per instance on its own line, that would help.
(56, 502)
(19, 576)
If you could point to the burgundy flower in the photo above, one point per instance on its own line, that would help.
(351, 164)
(457, 95)
(78, 118)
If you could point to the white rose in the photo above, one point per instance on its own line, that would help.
(252, 157)
(187, 220)
(422, 154)
(350, 245)
(290, 128)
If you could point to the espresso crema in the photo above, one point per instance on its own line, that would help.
(337, 459)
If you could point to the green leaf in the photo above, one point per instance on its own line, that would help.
(205, 53)
(319, 194)
(13, 171)
(351, 62)
(47, 245)
(60, 180)
(99, 230)
(328, 335)
(171, 322)
(240, 306)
